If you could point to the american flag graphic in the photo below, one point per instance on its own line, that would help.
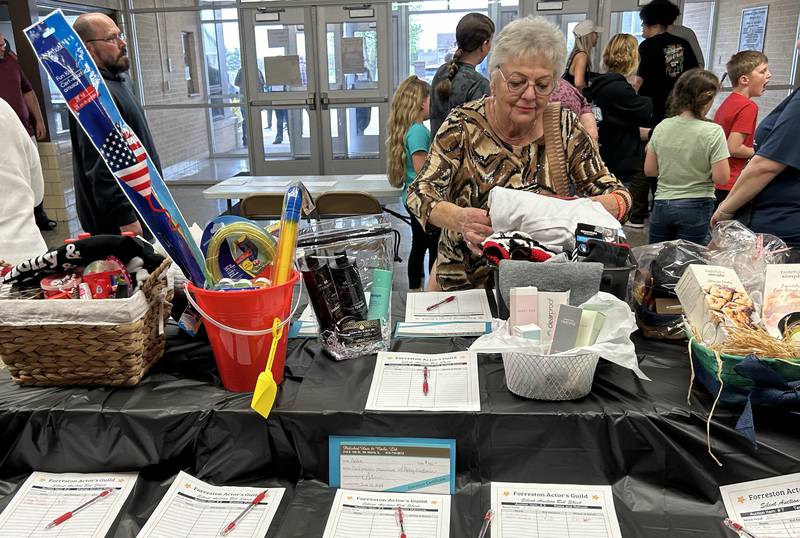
(124, 153)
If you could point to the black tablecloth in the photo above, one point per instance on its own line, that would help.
(641, 437)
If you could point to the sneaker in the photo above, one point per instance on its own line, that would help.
(635, 223)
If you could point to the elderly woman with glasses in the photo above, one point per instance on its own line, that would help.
(499, 140)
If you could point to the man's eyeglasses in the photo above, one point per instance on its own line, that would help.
(119, 38)
(517, 85)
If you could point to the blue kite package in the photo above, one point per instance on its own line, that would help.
(66, 60)
(236, 248)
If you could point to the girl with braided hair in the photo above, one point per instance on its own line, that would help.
(407, 147)
(457, 81)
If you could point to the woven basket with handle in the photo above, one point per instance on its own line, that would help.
(81, 354)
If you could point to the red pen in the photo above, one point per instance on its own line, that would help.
(400, 521)
(425, 381)
(61, 519)
(440, 303)
(736, 527)
(232, 525)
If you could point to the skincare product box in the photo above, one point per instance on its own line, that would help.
(523, 306)
(531, 331)
(781, 297)
(591, 324)
(713, 297)
(548, 308)
(565, 331)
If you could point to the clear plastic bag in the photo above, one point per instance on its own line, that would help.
(347, 266)
(746, 252)
(659, 267)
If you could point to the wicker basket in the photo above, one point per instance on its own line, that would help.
(550, 377)
(81, 354)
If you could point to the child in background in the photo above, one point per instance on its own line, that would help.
(749, 74)
(689, 155)
(407, 147)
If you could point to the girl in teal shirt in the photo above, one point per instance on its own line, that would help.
(407, 148)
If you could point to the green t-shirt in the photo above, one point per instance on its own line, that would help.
(418, 138)
(686, 149)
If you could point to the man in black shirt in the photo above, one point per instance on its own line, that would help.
(103, 208)
(663, 58)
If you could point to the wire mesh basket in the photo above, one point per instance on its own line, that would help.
(550, 377)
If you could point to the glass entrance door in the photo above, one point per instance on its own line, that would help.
(570, 14)
(354, 87)
(318, 81)
(281, 79)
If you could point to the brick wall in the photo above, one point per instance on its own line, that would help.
(59, 192)
(778, 43)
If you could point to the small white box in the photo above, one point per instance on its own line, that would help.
(531, 331)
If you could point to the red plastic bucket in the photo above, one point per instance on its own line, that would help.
(241, 357)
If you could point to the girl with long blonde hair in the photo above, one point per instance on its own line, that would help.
(579, 62)
(407, 148)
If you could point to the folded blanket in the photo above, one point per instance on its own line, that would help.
(550, 221)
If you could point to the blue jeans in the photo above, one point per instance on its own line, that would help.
(681, 219)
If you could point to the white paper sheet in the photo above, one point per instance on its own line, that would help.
(769, 507)
(45, 496)
(192, 508)
(398, 379)
(469, 305)
(442, 329)
(547, 510)
(361, 514)
(264, 182)
(307, 324)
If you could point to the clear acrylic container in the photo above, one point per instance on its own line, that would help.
(347, 266)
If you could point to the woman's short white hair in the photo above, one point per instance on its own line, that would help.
(527, 38)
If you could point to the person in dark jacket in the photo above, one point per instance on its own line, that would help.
(103, 208)
(623, 111)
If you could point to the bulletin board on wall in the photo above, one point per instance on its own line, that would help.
(753, 28)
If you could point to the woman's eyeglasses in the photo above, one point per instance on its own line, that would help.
(517, 85)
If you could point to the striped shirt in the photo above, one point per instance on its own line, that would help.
(467, 159)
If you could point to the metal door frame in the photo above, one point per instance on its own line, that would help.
(337, 99)
(258, 100)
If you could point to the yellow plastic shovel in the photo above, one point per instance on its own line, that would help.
(266, 388)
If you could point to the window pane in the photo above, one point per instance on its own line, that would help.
(172, 53)
(286, 134)
(626, 22)
(352, 55)
(154, 4)
(281, 57)
(355, 132)
(699, 15)
(432, 42)
(186, 137)
(567, 23)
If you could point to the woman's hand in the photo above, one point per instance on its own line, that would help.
(720, 215)
(475, 226)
